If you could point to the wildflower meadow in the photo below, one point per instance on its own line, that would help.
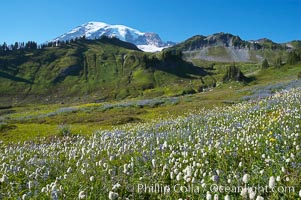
(250, 150)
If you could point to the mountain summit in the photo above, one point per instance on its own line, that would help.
(146, 41)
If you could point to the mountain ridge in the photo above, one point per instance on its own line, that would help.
(108, 68)
(151, 42)
(225, 47)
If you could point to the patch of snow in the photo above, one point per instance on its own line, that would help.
(150, 48)
(289, 45)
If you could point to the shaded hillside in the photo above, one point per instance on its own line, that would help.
(224, 47)
(92, 70)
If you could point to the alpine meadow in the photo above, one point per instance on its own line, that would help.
(111, 112)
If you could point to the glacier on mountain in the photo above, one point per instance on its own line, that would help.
(146, 41)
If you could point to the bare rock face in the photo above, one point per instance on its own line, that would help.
(225, 47)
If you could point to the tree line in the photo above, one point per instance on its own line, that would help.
(293, 57)
(19, 45)
(35, 45)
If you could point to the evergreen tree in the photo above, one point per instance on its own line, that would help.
(4, 47)
(278, 61)
(265, 64)
(16, 46)
(174, 55)
(31, 45)
(233, 73)
(293, 58)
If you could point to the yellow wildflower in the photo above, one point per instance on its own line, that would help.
(272, 139)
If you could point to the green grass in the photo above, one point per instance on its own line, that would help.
(111, 73)
(154, 132)
(92, 70)
(218, 52)
(92, 117)
(219, 145)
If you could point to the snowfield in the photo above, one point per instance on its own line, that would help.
(149, 42)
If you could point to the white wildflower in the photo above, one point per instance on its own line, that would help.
(272, 182)
(208, 196)
(244, 193)
(81, 195)
(252, 194)
(113, 195)
(116, 186)
(29, 185)
(227, 197)
(215, 178)
(179, 176)
(69, 170)
(3, 179)
(153, 163)
(188, 171)
(43, 190)
(259, 198)
(125, 168)
(193, 180)
(246, 178)
(171, 175)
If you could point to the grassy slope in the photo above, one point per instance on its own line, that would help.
(92, 117)
(93, 71)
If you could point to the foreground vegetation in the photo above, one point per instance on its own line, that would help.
(196, 146)
(158, 128)
(29, 122)
(251, 145)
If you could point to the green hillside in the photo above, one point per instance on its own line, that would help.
(92, 70)
(109, 69)
(87, 85)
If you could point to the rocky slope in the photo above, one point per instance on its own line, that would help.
(224, 47)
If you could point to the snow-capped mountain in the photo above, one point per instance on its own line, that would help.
(150, 42)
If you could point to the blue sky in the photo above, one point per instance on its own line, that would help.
(174, 20)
